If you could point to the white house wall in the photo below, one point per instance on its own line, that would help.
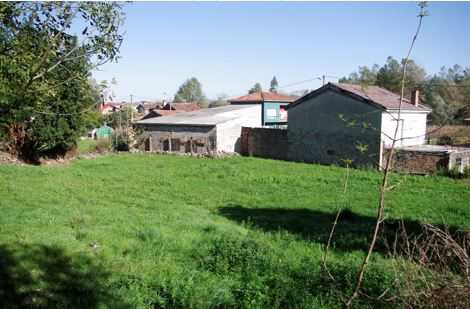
(229, 132)
(412, 129)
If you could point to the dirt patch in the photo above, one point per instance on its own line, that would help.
(6, 158)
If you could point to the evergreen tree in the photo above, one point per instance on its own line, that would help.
(274, 85)
(255, 88)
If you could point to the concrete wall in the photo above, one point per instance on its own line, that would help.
(229, 132)
(196, 139)
(331, 127)
(268, 143)
(412, 128)
(460, 160)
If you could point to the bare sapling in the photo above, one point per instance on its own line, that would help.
(384, 185)
(335, 223)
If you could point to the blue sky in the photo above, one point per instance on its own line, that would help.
(230, 46)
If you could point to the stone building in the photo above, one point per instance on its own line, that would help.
(343, 122)
(202, 131)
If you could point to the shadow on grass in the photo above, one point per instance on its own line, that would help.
(41, 276)
(352, 232)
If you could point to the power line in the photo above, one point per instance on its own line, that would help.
(300, 82)
(321, 77)
(446, 86)
(67, 114)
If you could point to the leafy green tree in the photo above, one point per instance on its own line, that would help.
(388, 76)
(120, 118)
(45, 69)
(255, 88)
(447, 93)
(190, 91)
(274, 85)
(92, 117)
(221, 101)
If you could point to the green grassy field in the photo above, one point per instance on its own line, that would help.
(153, 231)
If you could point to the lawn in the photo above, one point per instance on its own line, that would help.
(152, 231)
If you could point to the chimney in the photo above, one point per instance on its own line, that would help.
(415, 97)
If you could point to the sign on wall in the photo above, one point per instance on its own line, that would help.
(271, 113)
(283, 112)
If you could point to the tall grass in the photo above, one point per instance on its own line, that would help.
(169, 231)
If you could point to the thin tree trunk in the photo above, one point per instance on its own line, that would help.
(383, 187)
(335, 223)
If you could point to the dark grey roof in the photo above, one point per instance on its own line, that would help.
(374, 95)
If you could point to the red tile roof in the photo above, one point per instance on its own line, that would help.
(372, 94)
(262, 96)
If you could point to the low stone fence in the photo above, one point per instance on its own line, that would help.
(268, 143)
(416, 162)
(430, 161)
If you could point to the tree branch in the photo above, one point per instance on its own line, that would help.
(383, 187)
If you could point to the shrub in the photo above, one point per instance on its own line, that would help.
(455, 173)
(444, 140)
(120, 140)
(103, 145)
(466, 172)
(439, 276)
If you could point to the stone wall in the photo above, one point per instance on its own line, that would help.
(429, 162)
(186, 139)
(417, 162)
(264, 142)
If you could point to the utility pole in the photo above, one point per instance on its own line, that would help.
(132, 106)
(165, 101)
(323, 79)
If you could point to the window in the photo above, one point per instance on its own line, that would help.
(175, 144)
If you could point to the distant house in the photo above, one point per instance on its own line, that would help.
(200, 131)
(171, 109)
(109, 107)
(340, 122)
(158, 113)
(182, 106)
(273, 106)
(145, 107)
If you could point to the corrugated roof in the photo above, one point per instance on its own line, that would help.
(262, 96)
(373, 94)
(202, 117)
